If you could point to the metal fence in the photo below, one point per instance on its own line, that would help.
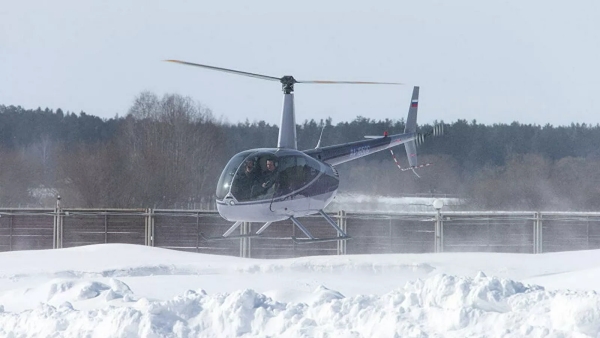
(416, 232)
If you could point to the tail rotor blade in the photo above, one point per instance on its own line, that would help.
(420, 139)
(438, 130)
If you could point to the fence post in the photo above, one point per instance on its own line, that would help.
(391, 235)
(152, 237)
(146, 226)
(149, 227)
(341, 222)
(58, 225)
(587, 234)
(54, 228)
(242, 232)
(439, 232)
(248, 243)
(105, 228)
(245, 241)
(541, 227)
(10, 243)
(197, 231)
(537, 233)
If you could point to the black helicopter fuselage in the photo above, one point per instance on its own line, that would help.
(272, 184)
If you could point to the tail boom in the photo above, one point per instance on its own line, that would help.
(342, 153)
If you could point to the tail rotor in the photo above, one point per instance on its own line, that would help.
(438, 130)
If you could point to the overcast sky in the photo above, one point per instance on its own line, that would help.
(493, 61)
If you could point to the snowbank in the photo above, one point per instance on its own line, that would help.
(95, 303)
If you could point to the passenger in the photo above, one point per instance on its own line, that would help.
(266, 180)
(269, 176)
(249, 171)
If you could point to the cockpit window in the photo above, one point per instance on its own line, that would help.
(256, 177)
(264, 176)
(228, 174)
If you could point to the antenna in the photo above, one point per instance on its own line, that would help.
(320, 136)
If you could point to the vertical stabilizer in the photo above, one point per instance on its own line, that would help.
(411, 120)
(287, 127)
(411, 127)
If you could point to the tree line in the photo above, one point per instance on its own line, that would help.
(169, 151)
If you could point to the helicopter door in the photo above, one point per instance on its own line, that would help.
(294, 175)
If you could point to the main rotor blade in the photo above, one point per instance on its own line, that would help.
(259, 76)
(351, 82)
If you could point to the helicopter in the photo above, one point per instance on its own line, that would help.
(268, 185)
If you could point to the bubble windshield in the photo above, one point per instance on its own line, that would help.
(228, 173)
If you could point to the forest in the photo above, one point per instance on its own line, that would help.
(168, 152)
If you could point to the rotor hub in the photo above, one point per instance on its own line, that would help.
(287, 84)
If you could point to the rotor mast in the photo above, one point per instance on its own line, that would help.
(287, 126)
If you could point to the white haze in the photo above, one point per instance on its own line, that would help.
(118, 290)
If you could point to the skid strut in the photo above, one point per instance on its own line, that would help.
(311, 239)
(228, 233)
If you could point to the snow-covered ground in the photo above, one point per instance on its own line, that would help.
(117, 290)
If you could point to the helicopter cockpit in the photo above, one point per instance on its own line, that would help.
(265, 174)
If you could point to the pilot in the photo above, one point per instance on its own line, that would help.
(244, 181)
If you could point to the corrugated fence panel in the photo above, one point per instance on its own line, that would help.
(377, 233)
(563, 232)
(6, 232)
(488, 233)
(186, 231)
(276, 240)
(113, 226)
(371, 233)
(26, 229)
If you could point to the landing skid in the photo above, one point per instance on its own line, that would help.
(342, 236)
(318, 240)
(216, 238)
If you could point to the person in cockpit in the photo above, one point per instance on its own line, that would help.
(244, 181)
(269, 176)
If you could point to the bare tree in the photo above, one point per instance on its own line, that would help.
(93, 175)
(174, 149)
